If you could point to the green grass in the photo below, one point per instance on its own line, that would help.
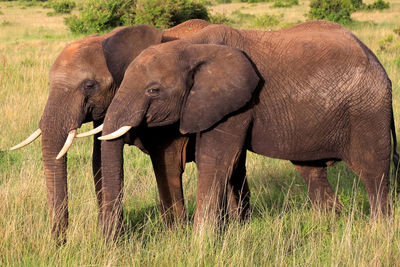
(284, 229)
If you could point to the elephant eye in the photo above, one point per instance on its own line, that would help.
(88, 84)
(153, 91)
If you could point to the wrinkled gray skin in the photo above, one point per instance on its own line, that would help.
(313, 94)
(81, 89)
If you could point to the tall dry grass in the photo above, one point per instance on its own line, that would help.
(284, 229)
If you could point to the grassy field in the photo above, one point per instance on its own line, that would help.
(284, 229)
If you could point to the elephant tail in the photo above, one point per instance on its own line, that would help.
(395, 153)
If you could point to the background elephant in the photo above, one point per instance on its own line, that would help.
(81, 89)
(313, 94)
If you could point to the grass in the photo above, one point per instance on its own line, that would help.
(284, 229)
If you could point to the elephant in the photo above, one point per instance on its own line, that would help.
(312, 94)
(81, 89)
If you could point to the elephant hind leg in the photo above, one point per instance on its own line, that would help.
(319, 189)
(238, 191)
(376, 183)
(369, 158)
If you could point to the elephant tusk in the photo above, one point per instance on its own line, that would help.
(28, 140)
(91, 132)
(120, 132)
(68, 143)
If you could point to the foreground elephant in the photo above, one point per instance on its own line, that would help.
(81, 89)
(313, 94)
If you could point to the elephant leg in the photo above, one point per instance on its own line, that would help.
(369, 158)
(239, 192)
(96, 167)
(218, 153)
(168, 163)
(376, 183)
(319, 189)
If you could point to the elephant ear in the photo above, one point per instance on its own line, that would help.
(223, 82)
(124, 46)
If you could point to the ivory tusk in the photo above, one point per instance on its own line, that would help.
(28, 140)
(67, 144)
(120, 132)
(91, 132)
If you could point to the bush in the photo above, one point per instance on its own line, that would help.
(185, 10)
(285, 3)
(219, 18)
(397, 31)
(241, 18)
(333, 10)
(63, 6)
(385, 42)
(268, 20)
(356, 4)
(255, 1)
(164, 14)
(102, 15)
(378, 4)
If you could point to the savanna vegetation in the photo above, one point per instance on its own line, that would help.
(283, 229)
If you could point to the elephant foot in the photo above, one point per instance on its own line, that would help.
(59, 230)
(113, 226)
(327, 202)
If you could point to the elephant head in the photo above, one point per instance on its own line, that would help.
(81, 89)
(196, 84)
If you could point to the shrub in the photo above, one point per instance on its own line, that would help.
(102, 15)
(255, 1)
(285, 3)
(378, 4)
(63, 6)
(187, 9)
(385, 42)
(397, 31)
(333, 10)
(241, 18)
(153, 12)
(219, 18)
(356, 4)
(164, 14)
(268, 20)
(5, 23)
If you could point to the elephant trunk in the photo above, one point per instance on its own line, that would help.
(56, 182)
(55, 126)
(124, 113)
(113, 180)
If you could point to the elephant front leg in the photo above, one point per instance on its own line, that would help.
(112, 186)
(218, 153)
